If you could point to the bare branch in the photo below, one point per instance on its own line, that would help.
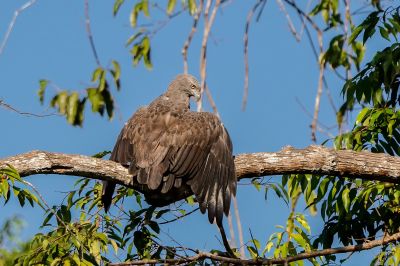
(203, 52)
(89, 33)
(180, 217)
(190, 37)
(239, 225)
(9, 107)
(289, 20)
(12, 23)
(261, 261)
(246, 52)
(317, 102)
(211, 101)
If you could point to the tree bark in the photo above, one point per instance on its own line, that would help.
(311, 160)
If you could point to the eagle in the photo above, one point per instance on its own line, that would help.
(169, 148)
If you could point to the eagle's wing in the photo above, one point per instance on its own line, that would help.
(165, 149)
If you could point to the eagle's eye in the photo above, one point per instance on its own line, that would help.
(193, 86)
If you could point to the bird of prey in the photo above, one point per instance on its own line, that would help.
(167, 147)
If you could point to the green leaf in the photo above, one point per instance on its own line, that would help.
(42, 87)
(48, 217)
(300, 240)
(64, 214)
(192, 7)
(109, 103)
(171, 6)
(384, 33)
(97, 74)
(45, 244)
(252, 251)
(362, 114)
(190, 200)
(154, 226)
(96, 99)
(115, 246)
(256, 184)
(301, 219)
(60, 101)
(117, 5)
(4, 188)
(145, 7)
(134, 14)
(355, 33)
(133, 38)
(346, 199)
(72, 109)
(12, 173)
(116, 73)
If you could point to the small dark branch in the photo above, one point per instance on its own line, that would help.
(304, 15)
(89, 33)
(190, 37)
(12, 23)
(246, 52)
(180, 217)
(9, 107)
(261, 261)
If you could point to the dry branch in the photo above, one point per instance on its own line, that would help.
(261, 261)
(311, 160)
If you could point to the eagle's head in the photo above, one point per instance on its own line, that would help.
(187, 84)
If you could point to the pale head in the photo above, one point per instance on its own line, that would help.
(187, 84)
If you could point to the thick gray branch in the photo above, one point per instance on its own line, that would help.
(311, 160)
(320, 160)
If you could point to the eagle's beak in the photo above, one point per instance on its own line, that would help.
(196, 95)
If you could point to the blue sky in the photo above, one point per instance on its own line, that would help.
(49, 41)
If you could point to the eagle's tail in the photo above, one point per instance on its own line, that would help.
(107, 195)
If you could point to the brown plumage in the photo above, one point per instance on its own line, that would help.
(168, 147)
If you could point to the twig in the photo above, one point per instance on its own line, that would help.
(246, 52)
(317, 103)
(211, 100)
(231, 230)
(289, 20)
(303, 14)
(320, 127)
(203, 52)
(9, 107)
(12, 23)
(179, 217)
(89, 33)
(239, 225)
(262, 261)
(190, 37)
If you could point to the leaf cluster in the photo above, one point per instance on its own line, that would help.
(71, 104)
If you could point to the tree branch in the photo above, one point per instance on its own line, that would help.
(311, 160)
(12, 23)
(261, 261)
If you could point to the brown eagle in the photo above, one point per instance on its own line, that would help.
(168, 147)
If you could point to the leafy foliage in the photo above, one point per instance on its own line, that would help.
(71, 104)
